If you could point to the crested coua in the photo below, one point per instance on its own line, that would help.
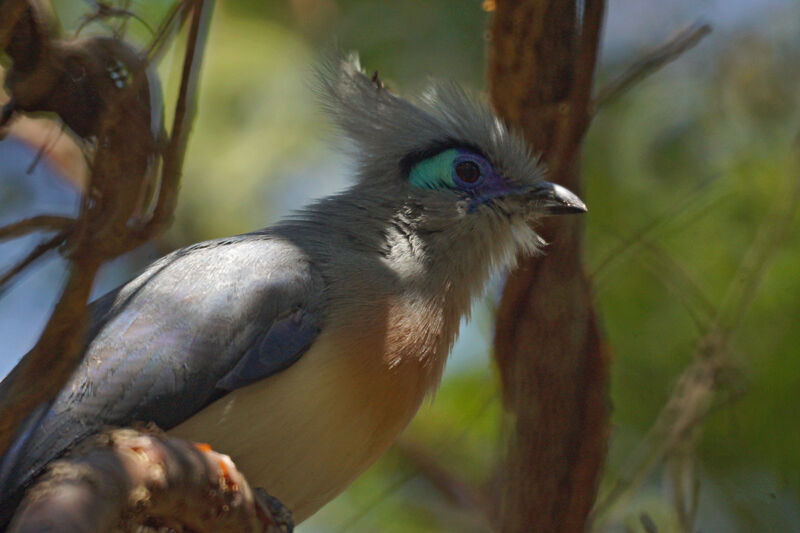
(302, 350)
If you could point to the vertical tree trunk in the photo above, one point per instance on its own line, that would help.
(552, 359)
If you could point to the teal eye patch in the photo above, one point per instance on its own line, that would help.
(434, 173)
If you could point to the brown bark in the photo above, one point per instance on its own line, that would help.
(98, 87)
(121, 480)
(70, 78)
(128, 480)
(548, 346)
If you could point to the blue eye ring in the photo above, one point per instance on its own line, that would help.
(469, 171)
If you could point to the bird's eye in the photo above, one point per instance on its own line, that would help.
(468, 171)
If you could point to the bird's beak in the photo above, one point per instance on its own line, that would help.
(552, 199)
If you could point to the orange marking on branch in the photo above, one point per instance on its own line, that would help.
(224, 469)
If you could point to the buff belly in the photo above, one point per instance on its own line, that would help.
(307, 432)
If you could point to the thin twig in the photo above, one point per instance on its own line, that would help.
(359, 515)
(692, 398)
(751, 271)
(707, 308)
(37, 223)
(671, 279)
(457, 490)
(45, 146)
(674, 277)
(166, 28)
(670, 51)
(122, 29)
(35, 254)
(185, 108)
(103, 11)
(656, 223)
(681, 474)
(678, 420)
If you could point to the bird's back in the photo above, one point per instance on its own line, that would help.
(158, 346)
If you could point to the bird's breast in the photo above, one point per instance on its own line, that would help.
(307, 432)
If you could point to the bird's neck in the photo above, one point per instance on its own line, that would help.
(380, 268)
(385, 247)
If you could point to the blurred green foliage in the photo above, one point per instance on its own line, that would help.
(680, 174)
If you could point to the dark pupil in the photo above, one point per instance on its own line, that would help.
(468, 171)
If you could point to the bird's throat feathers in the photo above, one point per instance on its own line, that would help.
(421, 263)
(421, 245)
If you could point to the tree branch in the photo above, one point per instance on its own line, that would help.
(142, 480)
(37, 223)
(100, 90)
(123, 479)
(125, 151)
(458, 491)
(571, 131)
(35, 254)
(13, 12)
(684, 40)
(552, 359)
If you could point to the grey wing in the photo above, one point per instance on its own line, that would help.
(198, 323)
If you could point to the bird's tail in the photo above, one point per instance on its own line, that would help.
(11, 486)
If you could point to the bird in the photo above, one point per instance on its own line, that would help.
(303, 349)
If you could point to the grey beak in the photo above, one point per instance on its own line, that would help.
(553, 199)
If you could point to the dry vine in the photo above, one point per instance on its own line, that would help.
(100, 88)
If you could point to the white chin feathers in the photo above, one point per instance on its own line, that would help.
(522, 240)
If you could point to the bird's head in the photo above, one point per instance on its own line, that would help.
(455, 174)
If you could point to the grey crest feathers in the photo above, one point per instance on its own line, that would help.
(386, 128)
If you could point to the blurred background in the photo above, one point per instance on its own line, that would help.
(683, 173)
